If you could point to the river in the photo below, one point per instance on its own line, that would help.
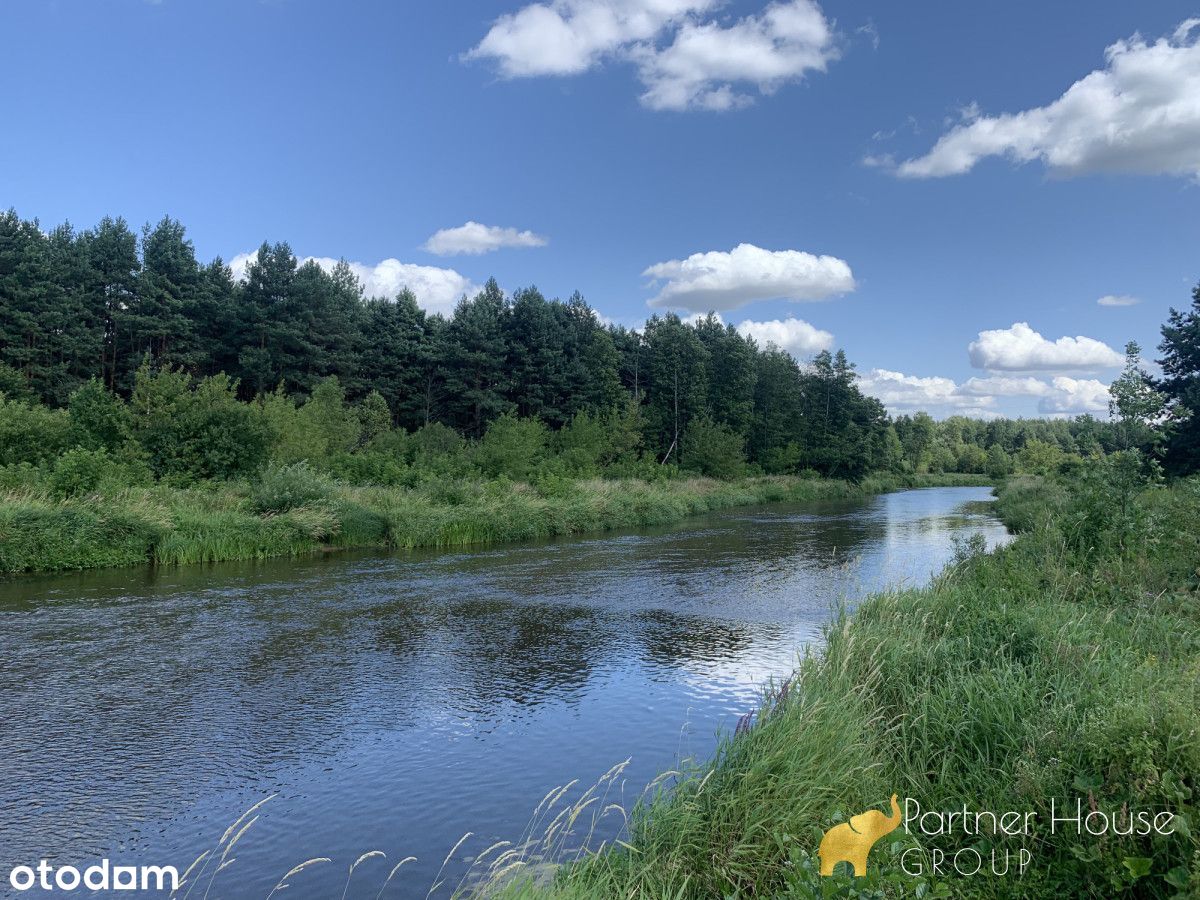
(396, 702)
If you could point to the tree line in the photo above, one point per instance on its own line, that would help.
(106, 305)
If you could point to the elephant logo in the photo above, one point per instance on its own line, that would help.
(852, 841)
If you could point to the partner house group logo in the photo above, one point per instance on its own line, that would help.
(851, 842)
(100, 876)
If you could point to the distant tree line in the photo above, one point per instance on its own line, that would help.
(112, 309)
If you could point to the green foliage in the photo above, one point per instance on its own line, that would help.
(713, 450)
(31, 433)
(1180, 385)
(583, 444)
(196, 431)
(375, 466)
(374, 418)
(1135, 405)
(1105, 504)
(1040, 458)
(513, 447)
(39, 536)
(13, 384)
(998, 464)
(80, 471)
(971, 458)
(328, 425)
(284, 488)
(286, 433)
(99, 418)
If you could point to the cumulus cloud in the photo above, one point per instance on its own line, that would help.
(705, 62)
(1139, 114)
(795, 336)
(566, 37)
(977, 397)
(936, 395)
(684, 60)
(474, 238)
(437, 290)
(1118, 300)
(1021, 349)
(1071, 396)
(722, 281)
(1005, 386)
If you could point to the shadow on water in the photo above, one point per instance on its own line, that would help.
(399, 701)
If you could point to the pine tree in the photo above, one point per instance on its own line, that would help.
(1181, 384)
(476, 356)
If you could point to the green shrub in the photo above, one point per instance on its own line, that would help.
(329, 425)
(79, 471)
(194, 432)
(513, 447)
(374, 418)
(31, 433)
(713, 449)
(99, 418)
(370, 466)
(284, 488)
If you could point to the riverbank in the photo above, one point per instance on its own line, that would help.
(295, 512)
(1063, 667)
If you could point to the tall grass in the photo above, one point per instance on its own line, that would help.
(1052, 668)
(294, 511)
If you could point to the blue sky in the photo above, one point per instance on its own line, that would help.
(911, 175)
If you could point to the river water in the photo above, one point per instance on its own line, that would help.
(396, 702)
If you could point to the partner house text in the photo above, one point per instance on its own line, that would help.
(1077, 815)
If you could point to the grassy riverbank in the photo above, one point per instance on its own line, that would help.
(294, 511)
(1064, 666)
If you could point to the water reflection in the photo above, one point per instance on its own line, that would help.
(399, 701)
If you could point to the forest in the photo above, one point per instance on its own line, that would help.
(123, 343)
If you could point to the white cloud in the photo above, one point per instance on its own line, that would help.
(474, 238)
(795, 336)
(704, 62)
(437, 290)
(936, 395)
(977, 397)
(724, 281)
(1139, 114)
(1118, 300)
(684, 61)
(1021, 349)
(566, 37)
(1005, 386)
(1074, 396)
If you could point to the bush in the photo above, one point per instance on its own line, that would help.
(374, 417)
(285, 488)
(31, 433)
(513, 447)
(434, 439)
(79, 471)
(330, 426)
(713, 450)
(191, 433)
(99, 418)
(370, 466)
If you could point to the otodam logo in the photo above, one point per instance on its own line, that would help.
(852, 841)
